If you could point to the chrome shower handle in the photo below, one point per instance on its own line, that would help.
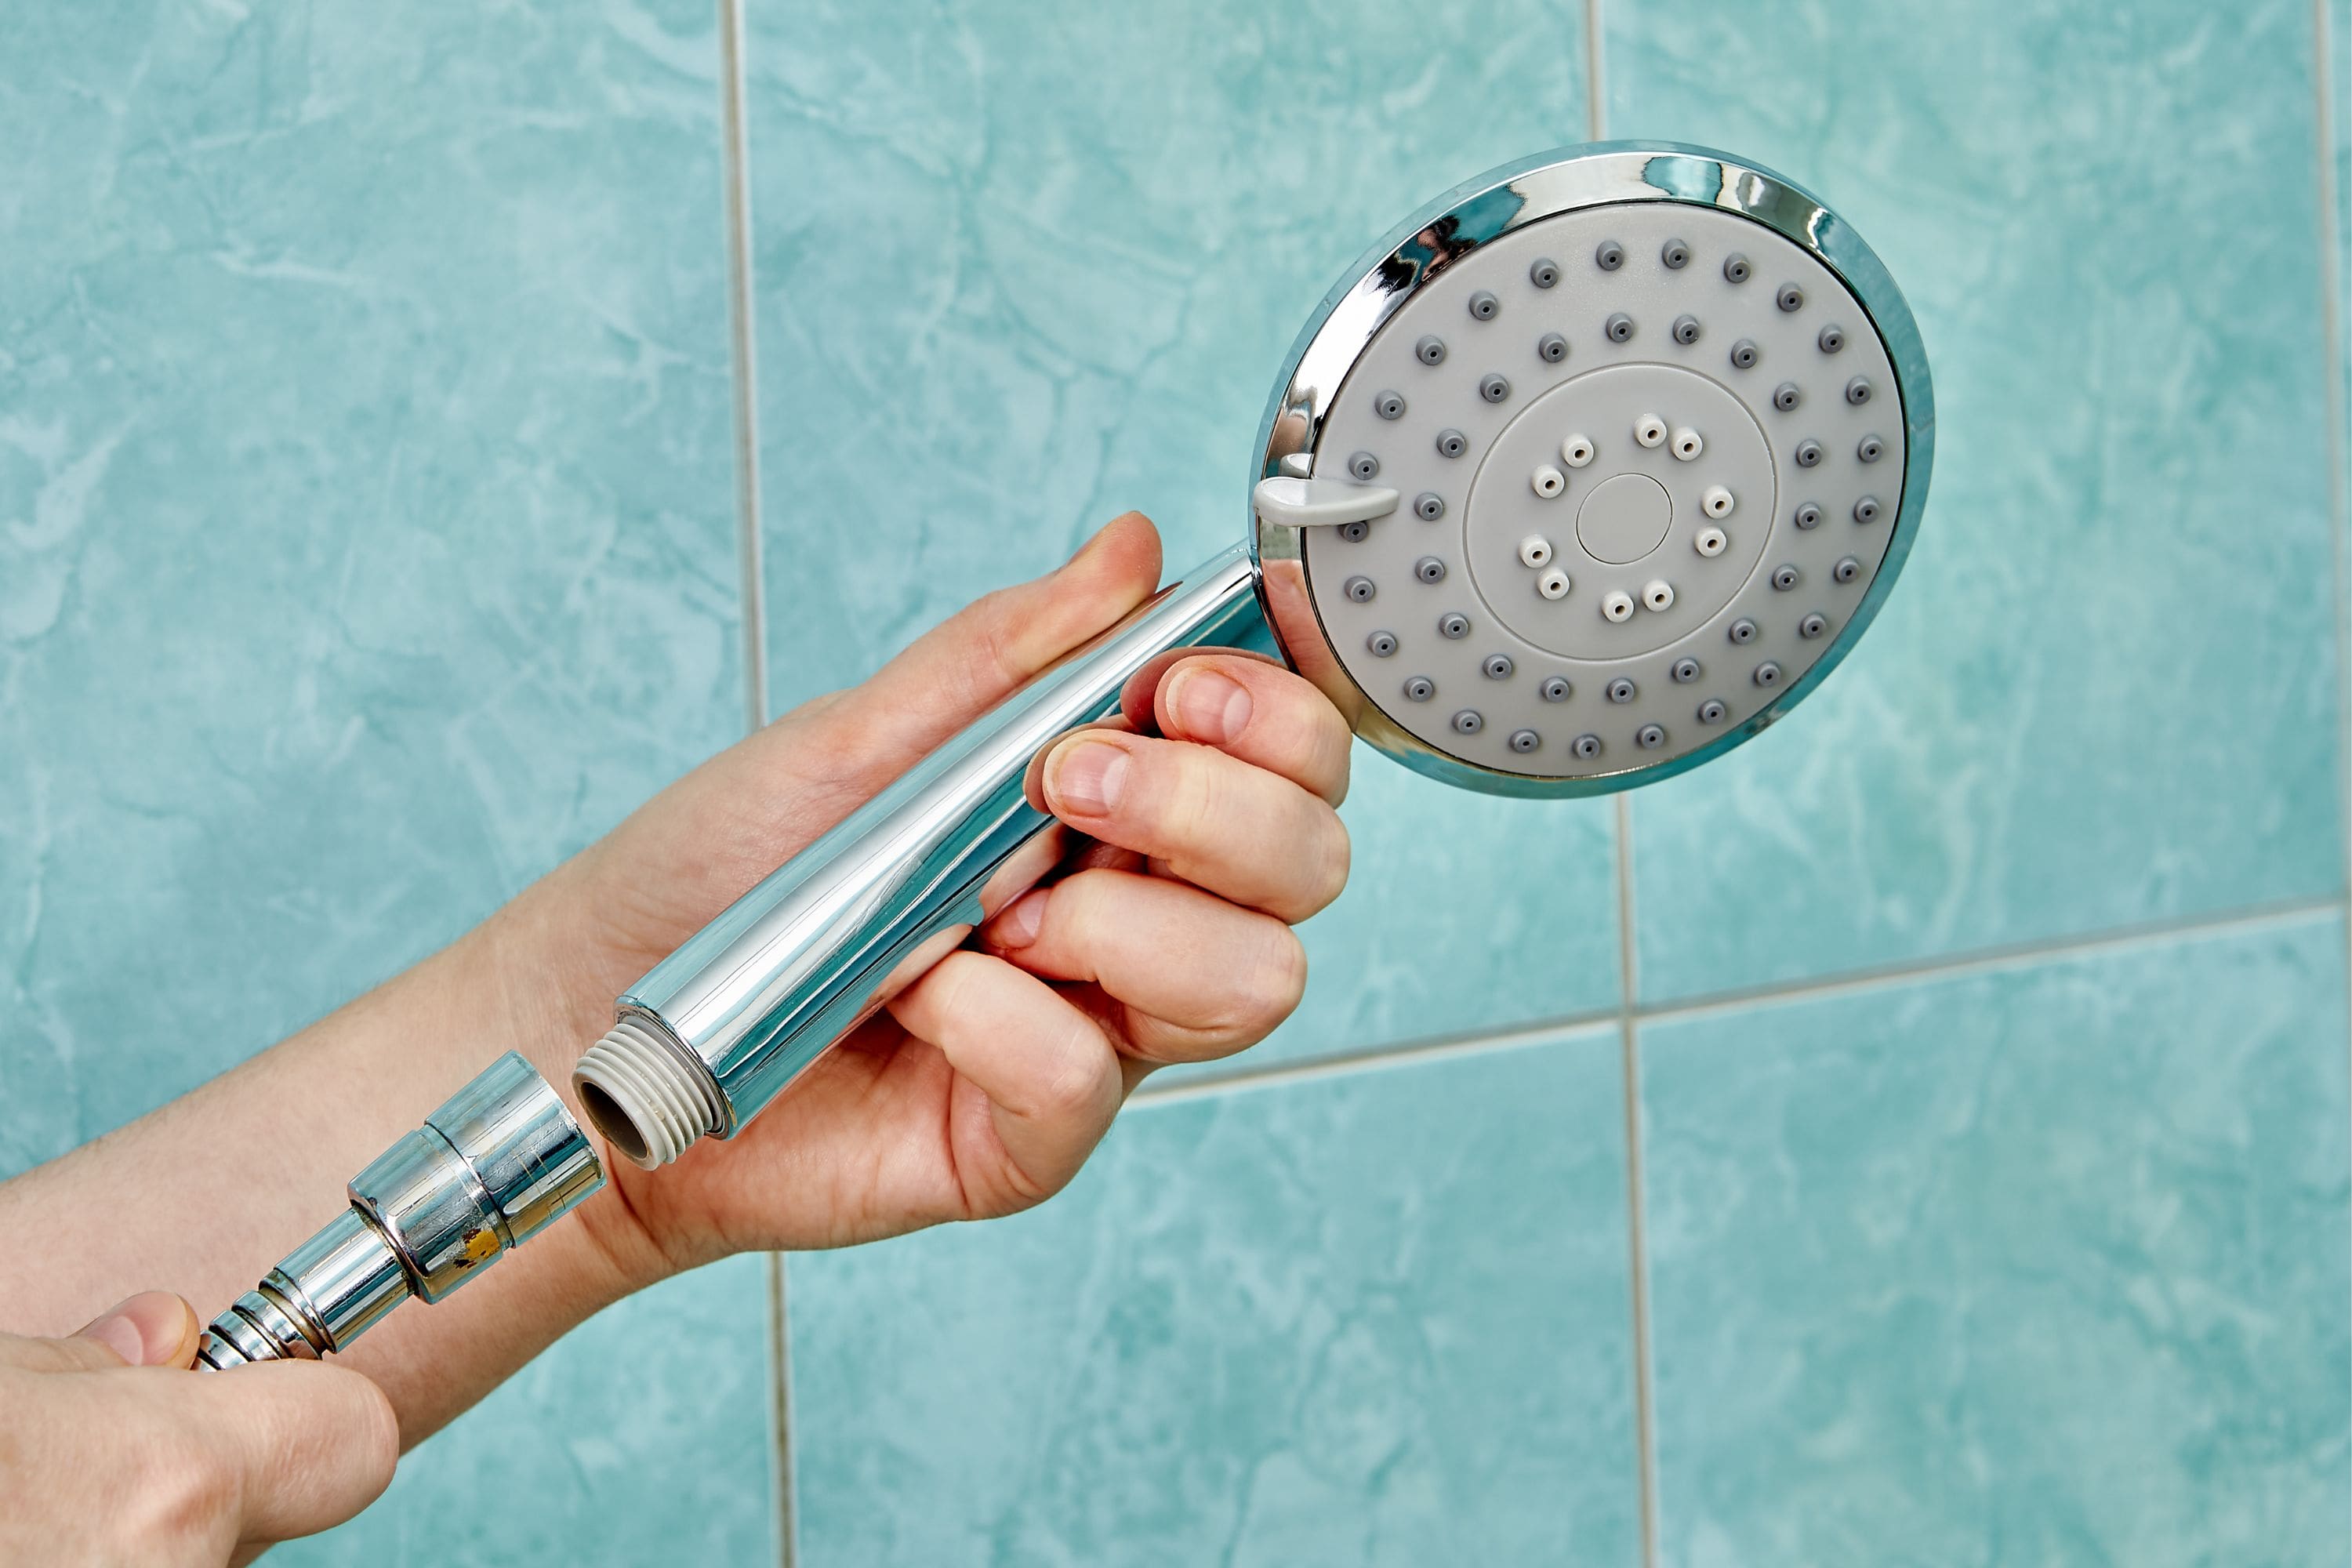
(719, 1027)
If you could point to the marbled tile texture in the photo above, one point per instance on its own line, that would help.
(2104, 692)
(2338, 65)
(1372, 1320)
(365, 546)
(2045, 1264)
(1023, 267)
(640, 1439)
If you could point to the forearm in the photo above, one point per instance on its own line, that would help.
(204, 1194)
(978, 1092)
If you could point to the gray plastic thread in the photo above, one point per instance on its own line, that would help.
(633, 1081)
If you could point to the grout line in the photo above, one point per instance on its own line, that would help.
(2332, 325)
(1989, 959)
(1637, 1230)
(743, 341)
(2332, 354)
(1596, 109)
(1976, 961)
(780, 1361)
(1373, 1059)
(742, 344)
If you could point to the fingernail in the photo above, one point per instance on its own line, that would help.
(1017, 924)
(1210, 707)
(131, 1332)
(1086, 778)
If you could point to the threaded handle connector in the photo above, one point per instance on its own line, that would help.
(648, 1098)
(499, 1161)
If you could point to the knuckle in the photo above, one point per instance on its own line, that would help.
(1078, 897)
(1279, 981)
(1336, 861)
(376, 1441)
(996, 620)
(1268, 971)
(995, 662)
(1073, 1085)
(1323, 855)
(1338, 744)
(941, 992)
(1187, 799)
(1341, 738)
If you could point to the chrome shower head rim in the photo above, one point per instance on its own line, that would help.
(1502, 201)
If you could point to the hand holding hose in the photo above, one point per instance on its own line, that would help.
(1196, 827)
(110, 1453)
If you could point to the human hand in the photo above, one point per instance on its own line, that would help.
(1208, 825)
(111, 1452)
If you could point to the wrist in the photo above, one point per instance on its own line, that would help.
(545, 979)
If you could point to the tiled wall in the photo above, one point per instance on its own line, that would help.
(1981, 1193)
(366, 546)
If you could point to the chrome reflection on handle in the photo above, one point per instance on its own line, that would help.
(722, 1026)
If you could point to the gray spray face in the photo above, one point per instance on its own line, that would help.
(1656, 426)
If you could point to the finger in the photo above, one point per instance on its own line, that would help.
(154, 1328)
(1261, 714)
(75, 1354)
(304, 1445)
(1033, 782)
(1049, 1076)
(964, 664)
(1135, 697)
(1199, 978)
(1213, 820)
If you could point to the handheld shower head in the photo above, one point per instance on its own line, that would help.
(1589, 471)
(1593, 470)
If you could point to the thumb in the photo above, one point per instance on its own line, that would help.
(966, 664)
(305, 1445)
(153, 1329)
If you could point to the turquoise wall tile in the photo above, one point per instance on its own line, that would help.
(2104, 692)
(642, 1439)
(365, 501)
(1023, 267)
(2043, 1264)
(365, 547)
(1372, 1319)
(2339, 78)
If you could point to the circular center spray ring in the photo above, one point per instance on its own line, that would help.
(1630, 517)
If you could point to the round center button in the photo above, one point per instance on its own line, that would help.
(1624, 519)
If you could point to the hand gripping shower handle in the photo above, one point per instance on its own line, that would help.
(719, 1027)
(722, 1025)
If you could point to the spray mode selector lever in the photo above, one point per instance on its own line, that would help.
(1289, 501)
